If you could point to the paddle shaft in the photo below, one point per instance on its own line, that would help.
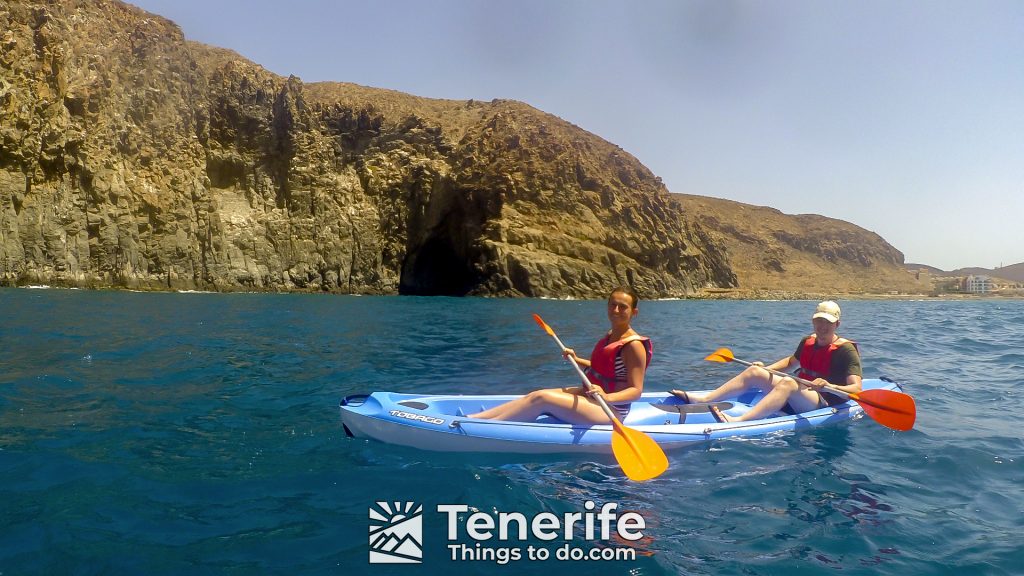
(831, 387)
(588, 385)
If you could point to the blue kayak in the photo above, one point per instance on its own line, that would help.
(439, 422)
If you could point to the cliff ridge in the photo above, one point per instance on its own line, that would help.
(132, 157)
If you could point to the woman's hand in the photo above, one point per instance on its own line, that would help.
(596, 391)
(570, 354)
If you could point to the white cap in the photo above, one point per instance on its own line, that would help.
(828, 310)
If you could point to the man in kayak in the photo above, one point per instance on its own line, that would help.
(824, 357)
(616, 368)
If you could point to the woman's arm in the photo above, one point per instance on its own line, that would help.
(569, 352)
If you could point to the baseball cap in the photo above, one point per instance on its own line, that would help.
(828, 310)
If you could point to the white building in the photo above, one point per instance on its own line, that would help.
(978, 284)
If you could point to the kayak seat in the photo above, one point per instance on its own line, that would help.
(683, 409)
(546, 418)
(417, 405)
(691, 408)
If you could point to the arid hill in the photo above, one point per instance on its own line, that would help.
(806, 253)
(1010, 273)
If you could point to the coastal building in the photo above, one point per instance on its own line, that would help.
(978, 284)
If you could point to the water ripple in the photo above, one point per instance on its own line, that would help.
(166, 434)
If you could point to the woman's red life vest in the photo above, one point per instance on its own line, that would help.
(816, 361)
(602, 361)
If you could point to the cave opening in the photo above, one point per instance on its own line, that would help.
(437, 268)
(446, 258)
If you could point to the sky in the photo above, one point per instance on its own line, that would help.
(905, 118)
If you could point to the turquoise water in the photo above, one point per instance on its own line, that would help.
(199, 434)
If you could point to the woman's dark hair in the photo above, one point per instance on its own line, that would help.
(628, 292)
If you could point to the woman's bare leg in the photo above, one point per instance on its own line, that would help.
(559, 403)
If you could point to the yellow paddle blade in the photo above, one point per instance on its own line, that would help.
(538, 320)
(721, 355)
(638, 454)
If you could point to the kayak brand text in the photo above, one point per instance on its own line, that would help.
(420, 417)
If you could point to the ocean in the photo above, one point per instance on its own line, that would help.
(160, 433)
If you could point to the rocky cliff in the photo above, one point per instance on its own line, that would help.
(132, 157)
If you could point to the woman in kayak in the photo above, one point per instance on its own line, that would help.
(616, 370)
(823, 357)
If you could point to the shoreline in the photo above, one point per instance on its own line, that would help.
(748, 294)
(756, 294)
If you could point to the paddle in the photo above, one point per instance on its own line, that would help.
(889, 408)
(638, 454)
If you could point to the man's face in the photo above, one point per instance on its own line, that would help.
(823, 327)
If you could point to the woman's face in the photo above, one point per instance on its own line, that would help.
(620, 307)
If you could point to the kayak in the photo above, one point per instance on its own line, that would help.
(439, 422)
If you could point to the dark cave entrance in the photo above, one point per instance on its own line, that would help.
(437, 269)
(447, 258)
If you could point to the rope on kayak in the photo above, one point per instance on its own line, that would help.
(706, 432)
(456, 423)
(739, 425)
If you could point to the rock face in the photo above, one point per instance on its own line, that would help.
(132, 157)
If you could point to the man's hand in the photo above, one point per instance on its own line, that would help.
(817, 384)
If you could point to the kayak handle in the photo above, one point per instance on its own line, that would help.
(354, 400)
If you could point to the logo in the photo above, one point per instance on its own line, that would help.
(396, 533)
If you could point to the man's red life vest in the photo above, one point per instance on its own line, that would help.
(602, 361)
(816, 361)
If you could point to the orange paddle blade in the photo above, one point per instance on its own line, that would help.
(721, 355)
(889, 408)
(638, 454)
(543, 324)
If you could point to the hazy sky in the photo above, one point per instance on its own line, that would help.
(903, 117)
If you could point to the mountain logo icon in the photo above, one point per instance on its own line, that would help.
(396, 533)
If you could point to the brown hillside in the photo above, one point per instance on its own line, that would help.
(773, 251)
(1013, 272)
(1007, 274)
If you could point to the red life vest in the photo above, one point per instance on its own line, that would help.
(602, 361)
(816, 361)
